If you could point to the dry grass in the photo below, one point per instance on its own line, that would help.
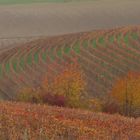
(34, 122)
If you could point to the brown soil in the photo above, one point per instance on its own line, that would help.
(53, 19)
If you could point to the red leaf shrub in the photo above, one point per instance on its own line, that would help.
(58, 100)
(111, 107)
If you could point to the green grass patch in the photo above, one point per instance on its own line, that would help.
(29, 59)
(7, 67)
(85, 43)
(59, 52)
(36, 56)
(134, 36)
(14, 63)
(126, 38)
(119, 38)
(44, 55)
(111, 39)
(52, 57)
(22, 64)
(67, 49)
(101, 40)
(76, 47)
(94, 43)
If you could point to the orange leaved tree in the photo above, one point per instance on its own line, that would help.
(69, 83)
(126, 92)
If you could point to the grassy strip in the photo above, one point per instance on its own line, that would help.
(76, 47)
(52, 57)
(22, 64)
(101, 40)
(44, 55)
(94, 43)
(111, 39)
(29, 59)
(36, 56)
(85, 43)
(59, 52)
(7, 67)
(67, 49)
(14, 63)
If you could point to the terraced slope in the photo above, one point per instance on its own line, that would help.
(105, 55)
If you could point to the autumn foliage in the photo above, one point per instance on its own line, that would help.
(24, 121)
(64, 89)
(126, 93)
(70, 83)
(28, 94)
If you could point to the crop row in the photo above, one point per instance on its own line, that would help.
(103, 55)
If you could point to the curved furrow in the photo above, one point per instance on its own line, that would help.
(114, 68)
(122, 55)
(52, 53)
(85, 62)
(104, 56)
(102, 59)
(127, 42)
(66, 52)
(94, 79)
(102, 72)
(88, 71)
(93, 87)
(99, 66)
(126, 52)
(40, 49)
(21, 82)
(14, 74)
(108, 57)
(35, 67)
(53, 66)
(26, 73)
(46, 62)
(129, 57)
(59, 62)
(97, 69)
(30, 68)
(135, 43)
(6, 83)
(131, 51)
(49, 66)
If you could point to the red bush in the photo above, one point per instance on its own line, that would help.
(111, 108)
(58, 100)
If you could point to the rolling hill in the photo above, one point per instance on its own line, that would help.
(104, 55)
(30, 121)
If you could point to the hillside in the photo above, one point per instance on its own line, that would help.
(28, 121)
(104, 55)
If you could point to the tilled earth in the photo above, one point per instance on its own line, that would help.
(29, 20)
